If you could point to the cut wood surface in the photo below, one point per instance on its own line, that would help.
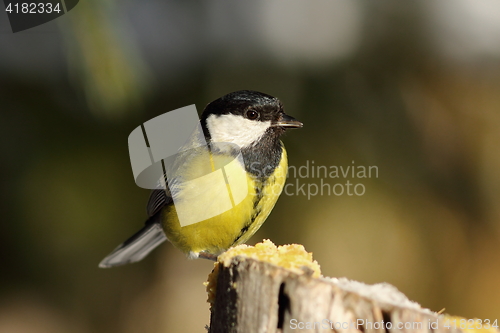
(250, 295)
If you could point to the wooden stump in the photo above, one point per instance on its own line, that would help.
(256, 296)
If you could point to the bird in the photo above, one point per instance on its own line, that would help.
(246, 124)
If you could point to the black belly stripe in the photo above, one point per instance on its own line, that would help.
(242, 232)
(255, 214)
(261, 160)
(247, 226)
(258, 195)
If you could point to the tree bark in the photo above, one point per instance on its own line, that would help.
(256, 296)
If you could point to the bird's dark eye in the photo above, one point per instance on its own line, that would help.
(252, 114)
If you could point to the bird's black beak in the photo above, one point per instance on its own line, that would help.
(288, 122)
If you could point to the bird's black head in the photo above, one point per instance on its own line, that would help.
(244, 117)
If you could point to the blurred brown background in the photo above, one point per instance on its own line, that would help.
(410, 87)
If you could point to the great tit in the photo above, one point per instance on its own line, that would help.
(251, 121)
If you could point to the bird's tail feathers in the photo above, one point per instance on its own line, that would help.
(136, 247)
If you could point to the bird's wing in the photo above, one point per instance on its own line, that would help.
(162, 195)
(157, 200)
(138, 246)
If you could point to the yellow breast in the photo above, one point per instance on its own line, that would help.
(235, 225)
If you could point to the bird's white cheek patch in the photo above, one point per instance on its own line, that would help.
(236, 129)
